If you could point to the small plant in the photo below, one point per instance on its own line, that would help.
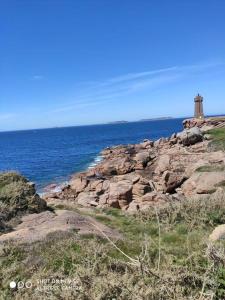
(218, 142)
(220, 279)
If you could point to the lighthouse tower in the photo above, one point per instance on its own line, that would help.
(199, 107)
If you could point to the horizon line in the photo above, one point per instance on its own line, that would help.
(166, 118)
(105, 123)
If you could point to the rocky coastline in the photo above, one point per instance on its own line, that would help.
(132, 178)
(139, 176)
(147, 216)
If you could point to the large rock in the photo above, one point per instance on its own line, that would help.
(206, 128)
(147, 144)
(87, 199)
(120, 193)
(142, 158)
(132, 177)
(148, 201)
(203, 183)
(163, 164)
(116, 166)
(190, 136)
(117, 151)
(99, 186)
(141, 187)
(171, 181)
(190, 123)
(218, 233)
(78, 184)
(154, 197)
(138, 206)
(38, 227)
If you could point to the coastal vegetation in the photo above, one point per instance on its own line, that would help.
(17, 197)
(164, 254)
(218, 135)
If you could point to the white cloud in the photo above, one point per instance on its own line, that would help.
(135, 76)
(96, 93)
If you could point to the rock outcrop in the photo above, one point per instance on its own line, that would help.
(137, 177)
(203, 183)
(37, 227)
(205, 124)
(190, 136)
(17, 197)
(218, 233)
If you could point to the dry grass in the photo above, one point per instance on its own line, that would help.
(167, 256)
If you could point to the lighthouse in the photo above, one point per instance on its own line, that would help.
(199, 107)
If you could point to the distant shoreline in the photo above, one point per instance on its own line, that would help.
(144, 120)
(97, 124)
(157, 119)
(109, 123)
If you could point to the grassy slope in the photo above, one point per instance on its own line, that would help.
(170, 257)
(165, 255)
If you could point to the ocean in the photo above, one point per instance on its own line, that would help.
(47, 156)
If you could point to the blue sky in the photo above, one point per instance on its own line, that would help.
(65, 62)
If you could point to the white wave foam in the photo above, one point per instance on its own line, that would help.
(96, 161)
